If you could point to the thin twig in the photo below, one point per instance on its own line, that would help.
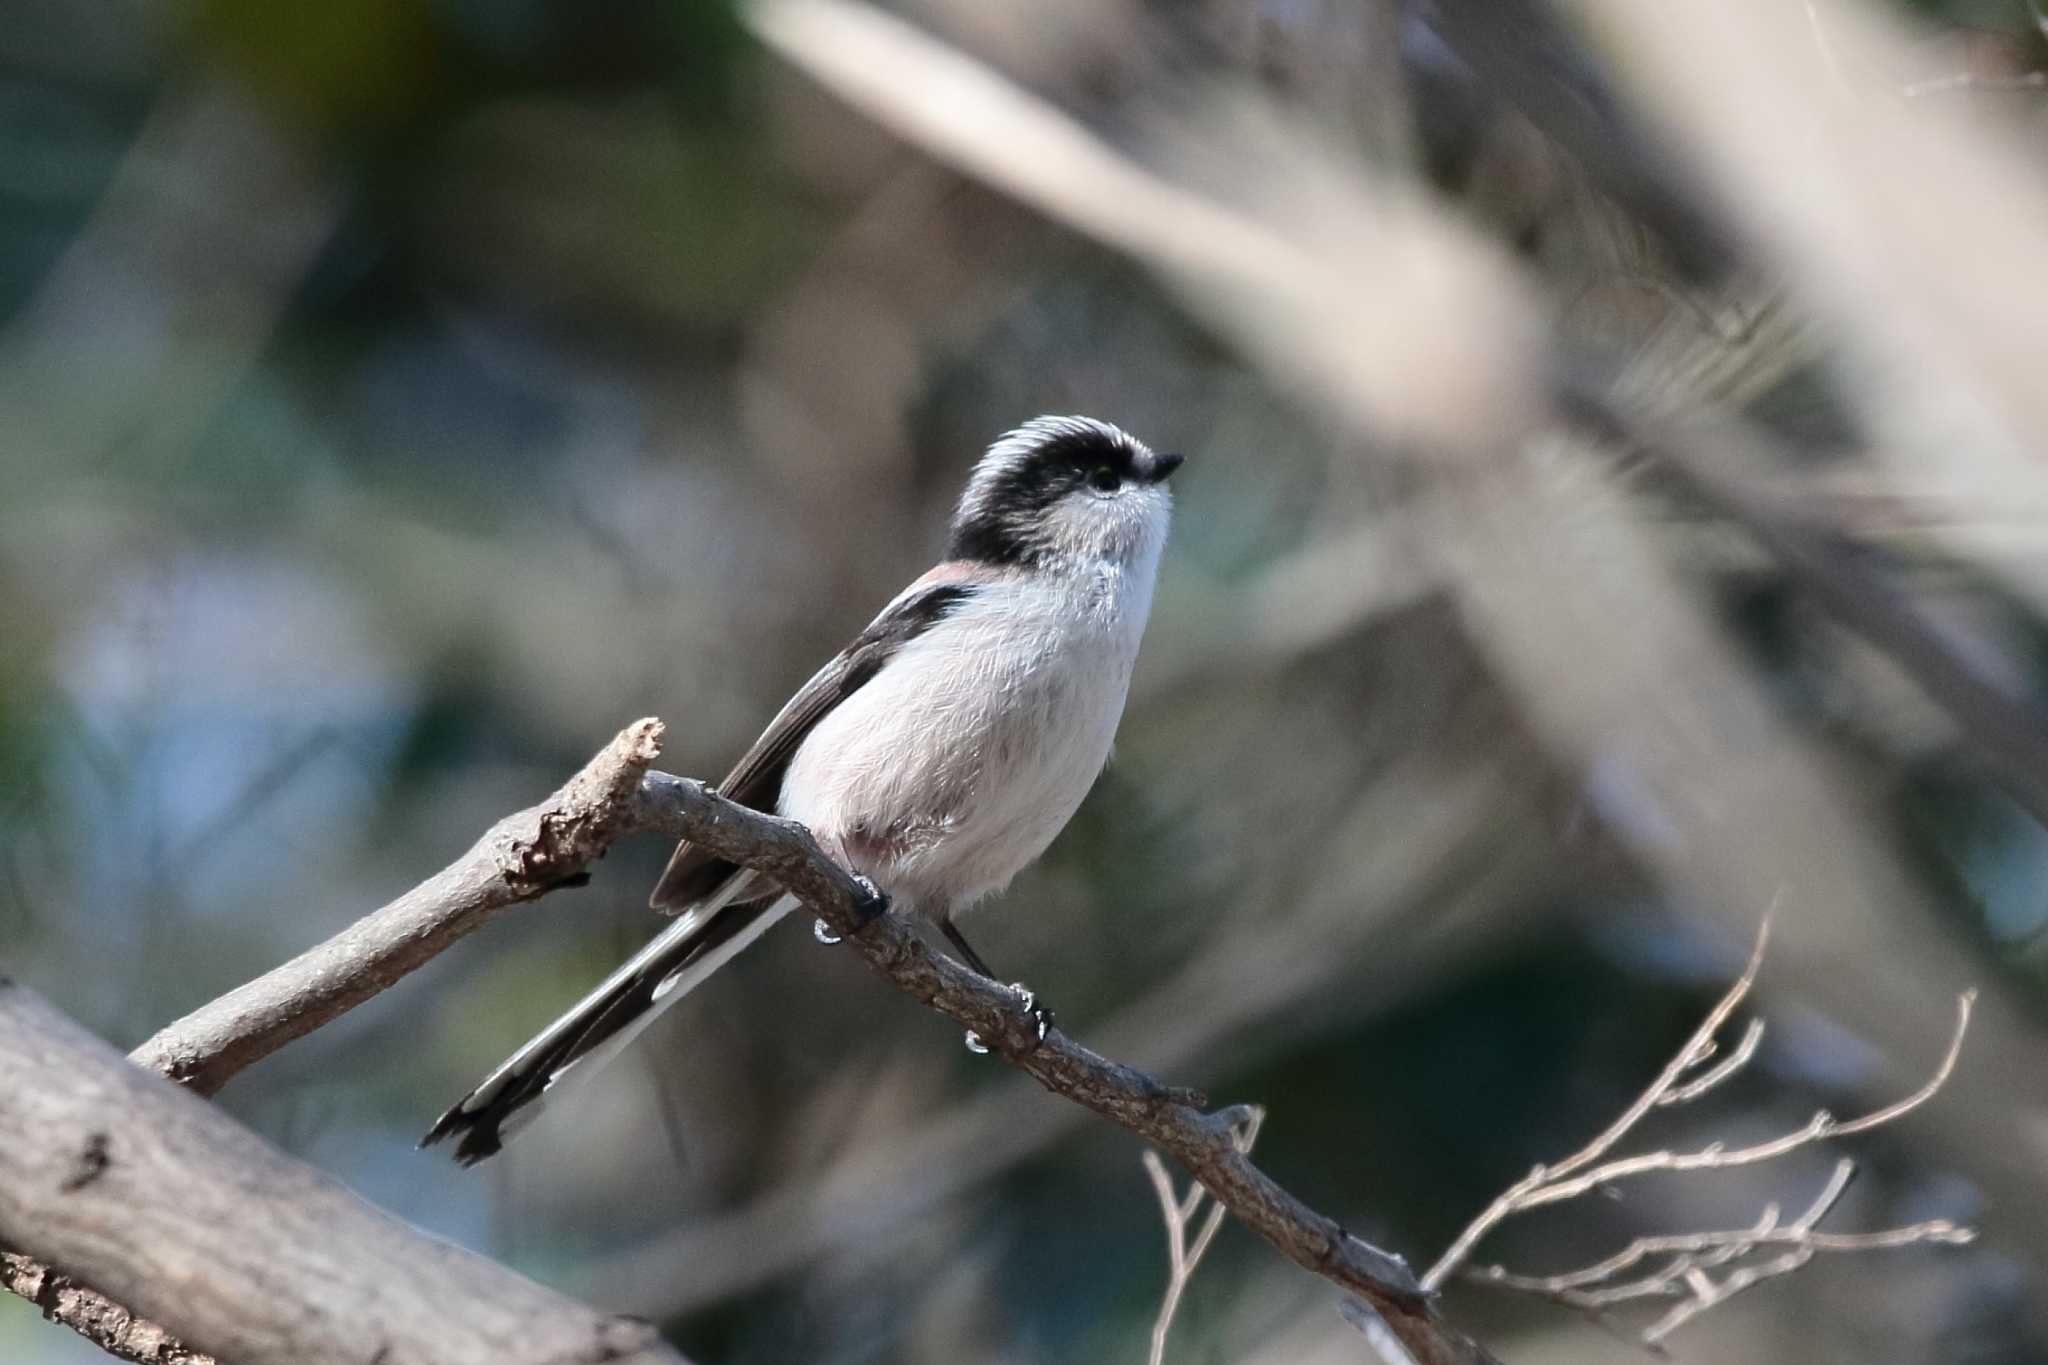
(1596, 1286)
(1696, 1050)
(1176, 1212)
(1694, 1258)
(1716, 1156)
(1719, 1072)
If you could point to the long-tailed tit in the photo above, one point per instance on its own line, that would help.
(937, 755)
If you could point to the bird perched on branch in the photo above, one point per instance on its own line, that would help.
(936, 756)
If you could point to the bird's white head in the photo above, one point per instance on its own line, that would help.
(1065, 492)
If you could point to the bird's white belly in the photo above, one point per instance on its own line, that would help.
(960, 761)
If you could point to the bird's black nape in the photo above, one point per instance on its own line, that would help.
(1028, 470)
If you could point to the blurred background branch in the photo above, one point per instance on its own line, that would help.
(398, 392)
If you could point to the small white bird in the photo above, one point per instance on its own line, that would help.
(937, 755)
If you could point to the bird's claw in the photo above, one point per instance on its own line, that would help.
(874, 904)
(1041, 1017)
(876, 900)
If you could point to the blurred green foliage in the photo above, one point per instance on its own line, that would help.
(402, 395)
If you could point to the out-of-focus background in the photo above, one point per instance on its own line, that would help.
(400, 396)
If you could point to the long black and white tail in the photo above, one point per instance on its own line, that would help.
(603, 1022)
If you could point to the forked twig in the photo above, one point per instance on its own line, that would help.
(1595, 1289)
(1689, 1260)
(1697, 1050)
(1720, 1071)
(1178, 1211)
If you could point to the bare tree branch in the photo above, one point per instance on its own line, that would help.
(521, 857)
(1177, 1212)
(1595, 1288)
(1720, 1071)
(551, 844)
(94, 1316)
(1296, 938)
(1167, 1117)
(168, 1205)
(1687, 1274)
(1697, 1049)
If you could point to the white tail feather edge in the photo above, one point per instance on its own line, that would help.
(685, 925)
(674, 987)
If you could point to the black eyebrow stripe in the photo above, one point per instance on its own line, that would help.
(1002, 528)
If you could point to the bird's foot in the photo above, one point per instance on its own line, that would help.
(876, 902)
(874, 905)
(1041, 1016)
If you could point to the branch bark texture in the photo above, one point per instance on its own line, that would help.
(94, 1316)
(185, 1217)
(617, 794)
(521, 857)
(1171, 1119)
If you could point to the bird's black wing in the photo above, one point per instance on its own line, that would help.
(694, 874)
(723, 911)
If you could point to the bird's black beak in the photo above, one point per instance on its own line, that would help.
(1164, 465)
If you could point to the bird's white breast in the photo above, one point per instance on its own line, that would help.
(956, 765)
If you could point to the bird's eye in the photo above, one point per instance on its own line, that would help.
(1104, 479)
